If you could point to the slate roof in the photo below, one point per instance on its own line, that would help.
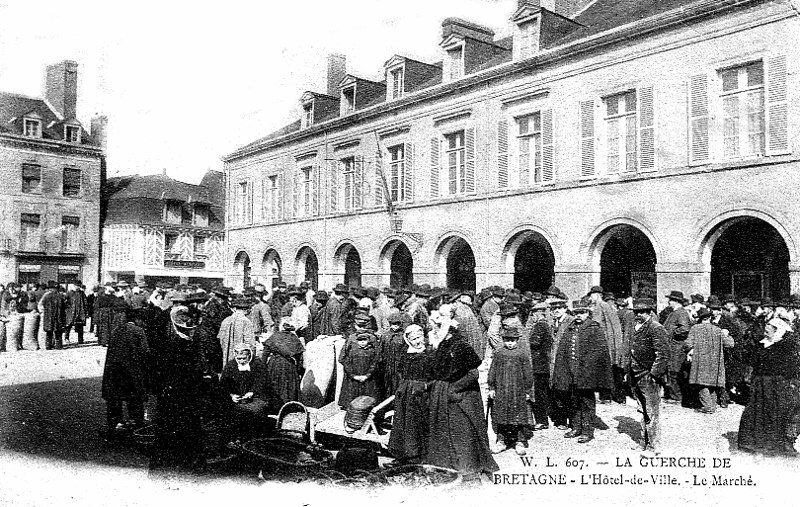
(156, 186)
(13, 107)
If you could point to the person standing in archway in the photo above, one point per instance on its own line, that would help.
(677, 325)
(606, 315)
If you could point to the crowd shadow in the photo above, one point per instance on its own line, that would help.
(61, 420)
(733, 440)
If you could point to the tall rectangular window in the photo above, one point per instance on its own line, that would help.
(529, 139)
(397, 82)
(743, 110)
(187, 217)
(31, 179)
(456, 163)
(307, 173)
(171, 243)
(456, 60)
(272, 197)
(621, 132)
(397, 171)
(308, 114)
(72, 182)
(349, 177)
(30, 232)
(172, 212)
(241, 201)
(69, 234)
(199, 246)
(349, 100)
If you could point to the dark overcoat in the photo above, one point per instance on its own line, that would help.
(76, 308)
(594, 364)
(126, 362)
(53, 311)
(511, 378)
(541, 340)
(649, 349)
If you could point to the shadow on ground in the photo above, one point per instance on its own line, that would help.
(630, 427)
(60, 419)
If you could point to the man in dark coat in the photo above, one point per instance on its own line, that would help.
(103, 312)
(75, 311)
(734, 363)
(541, 341)
(559, 409)
(331, 324)
(677, 326)
(51, 306)
(648, 361)
(124, 372)
(582, 367)
(216, 310)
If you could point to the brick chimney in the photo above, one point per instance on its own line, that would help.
(61, 87)
(337, 69)
(99, 130)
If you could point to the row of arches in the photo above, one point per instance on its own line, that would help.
(748, 257)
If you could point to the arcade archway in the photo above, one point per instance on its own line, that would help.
(627, 262)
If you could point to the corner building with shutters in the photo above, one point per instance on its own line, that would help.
(628, 144)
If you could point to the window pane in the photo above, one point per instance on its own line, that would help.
(537, 163)
(630, 143)
(613, 145)
(755, 121)
(730, 79)
(612, 106)
(537, 122)
(730, 126)
(523, 125)
(630, 102)
(755, 74)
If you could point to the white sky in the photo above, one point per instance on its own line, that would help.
(184, 83)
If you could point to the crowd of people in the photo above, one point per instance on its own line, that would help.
(450, 358)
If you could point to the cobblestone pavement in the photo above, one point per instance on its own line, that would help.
(51, 454)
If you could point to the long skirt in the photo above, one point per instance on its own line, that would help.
(771, 421)
(458, 436)
(409, 436)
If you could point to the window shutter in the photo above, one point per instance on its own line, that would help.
(502, 154)
(296, 193)
(315, 190)
(587, 138)
(358, 182)
(698, 120)
(333, 185)
(547, 146)
(409, 181)
(469, 142)
(435, 166)
(249, 203)
(647, 151)
(777, 110)
(379, 197)
(280, 197)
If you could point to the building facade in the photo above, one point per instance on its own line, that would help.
(639, 146)
(51, 170)
(157, 229)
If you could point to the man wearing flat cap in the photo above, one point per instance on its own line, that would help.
(235, 329)
(677, 325)
(582, 367)
(332, 324)
(648, 361)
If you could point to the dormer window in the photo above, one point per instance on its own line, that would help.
(308, 114)
(348, 100)
(397, 82)
(72, 134)
(528, 38)
(32, 127)
(455, 57)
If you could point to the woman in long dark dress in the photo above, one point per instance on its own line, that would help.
(458, 435)
(243, 381)
(408, 441)
(769, 423)
(283, 357)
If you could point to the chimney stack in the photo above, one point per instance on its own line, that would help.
(99, 130)
(337, 69)
(61, 87)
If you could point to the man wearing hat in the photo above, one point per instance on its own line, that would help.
(541, 340)
(606, 315)
(331, 324)
(491, 306)
(301, 317)
(214, 312)
(582, 367)
(51, 308)
(705, 352)
(392, 347)
(648, 360)
(677, 326)
(261, 312)
(561, 318)
(315, 311)
(735, 356)
(278, 301)
(235, 329)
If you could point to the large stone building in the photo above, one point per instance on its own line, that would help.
(51, 170)
(157, 229)
(621, 143)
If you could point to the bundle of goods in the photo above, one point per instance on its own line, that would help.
(30, 335)
(357, 412)
(14, 330)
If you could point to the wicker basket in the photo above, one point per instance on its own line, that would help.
(294, 421)
(287, 453)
